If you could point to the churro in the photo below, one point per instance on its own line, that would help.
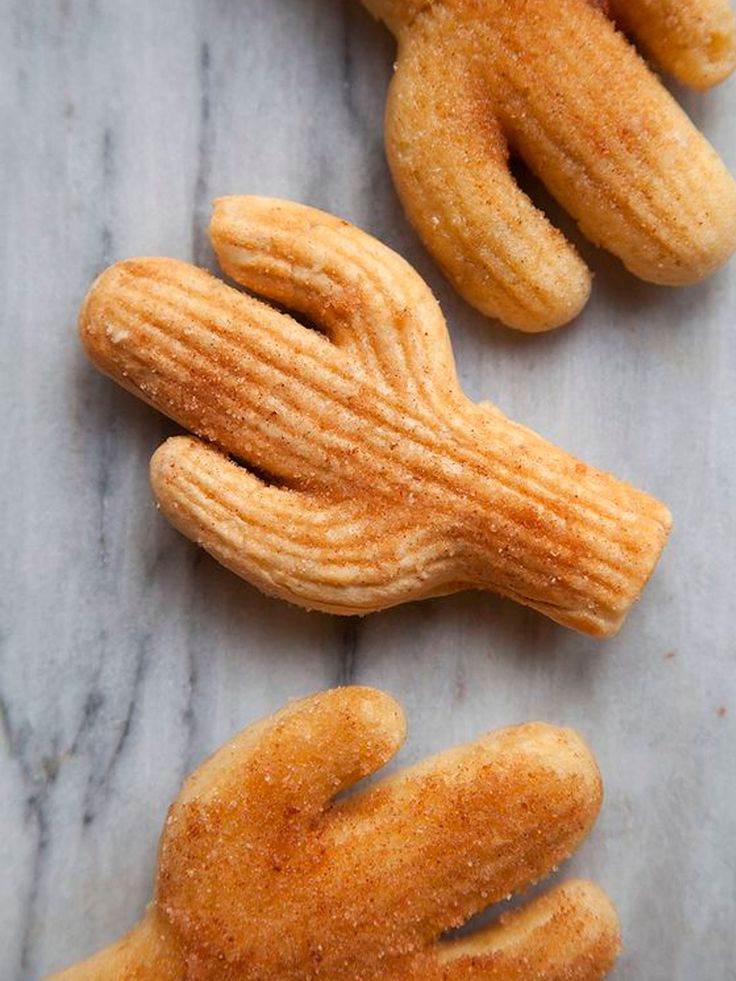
(262, 874)
(377, 481)
(555, 83)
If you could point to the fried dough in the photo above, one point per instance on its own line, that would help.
(378, 481)
(555, 83)
(262, 874)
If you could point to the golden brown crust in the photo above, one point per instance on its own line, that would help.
(552, 80)
(695, 40)
(567, 934)
(262, 874)
(499, 250)
(387, 484)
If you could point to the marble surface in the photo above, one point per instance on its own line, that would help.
(127, 654)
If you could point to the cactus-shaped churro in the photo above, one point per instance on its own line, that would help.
(263, 875)
(377, 480)
(554, 82)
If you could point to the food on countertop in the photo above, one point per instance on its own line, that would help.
(377, 480)
(555, 83)
(262, 874)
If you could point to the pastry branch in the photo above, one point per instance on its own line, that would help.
(383, 482)
(263, 874)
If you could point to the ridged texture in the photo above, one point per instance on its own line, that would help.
(557, 84)
(695, 40)
(262, 875)
(384, 483)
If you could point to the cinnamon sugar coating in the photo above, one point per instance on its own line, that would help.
(262, 874)
(378, 481)
(554, 82)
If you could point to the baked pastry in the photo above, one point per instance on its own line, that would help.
(263, 875)
(554, 82)
(376, 480)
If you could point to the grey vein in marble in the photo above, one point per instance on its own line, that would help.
(126, 655)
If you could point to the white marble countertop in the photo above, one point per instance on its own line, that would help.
(128, 654)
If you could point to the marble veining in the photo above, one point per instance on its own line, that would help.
(126, 654)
